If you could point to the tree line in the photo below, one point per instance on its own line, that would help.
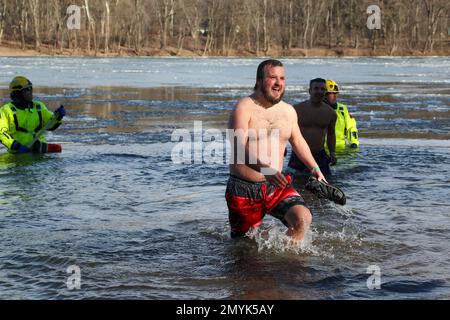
(224, 27)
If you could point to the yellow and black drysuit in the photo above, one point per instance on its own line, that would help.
(345, 128)
(22, 124)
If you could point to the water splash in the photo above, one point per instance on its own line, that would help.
(274, 238)
(319, 243)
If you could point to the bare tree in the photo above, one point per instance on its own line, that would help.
(34, 6)
(414, 23)
(191, 14)
(2, 18)
(318, 9)
(90, 23)
(307, 11)
(22, 22)
(433, 11)
(219, 27)
(107, 26)
(254, 12)
(265, 32)
(165, 15)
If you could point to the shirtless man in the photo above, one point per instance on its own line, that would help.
(316, 119)
(256, 185)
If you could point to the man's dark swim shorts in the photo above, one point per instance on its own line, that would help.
(248, 203)
(321, 158)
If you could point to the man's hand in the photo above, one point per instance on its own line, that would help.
(275, 177)
(333, 159)
(16, 146)
(319, 175)
(60, 113)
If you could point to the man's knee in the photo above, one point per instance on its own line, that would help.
(299, 216)
(306, 216)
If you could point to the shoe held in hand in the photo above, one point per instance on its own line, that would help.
(325, 190)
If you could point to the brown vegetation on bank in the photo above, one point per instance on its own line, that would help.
(224, 28)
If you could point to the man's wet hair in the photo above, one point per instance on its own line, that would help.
(320, 80)
(262, 66)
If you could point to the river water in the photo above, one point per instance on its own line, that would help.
(139, 226)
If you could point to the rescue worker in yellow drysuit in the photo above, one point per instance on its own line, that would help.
(345, 124)
(23, 117)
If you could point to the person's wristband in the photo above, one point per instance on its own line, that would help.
(314, 169)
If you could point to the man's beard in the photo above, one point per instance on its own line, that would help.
(20, 101)
(317, 99)
(271, 99)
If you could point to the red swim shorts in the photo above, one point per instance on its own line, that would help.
(248, 203)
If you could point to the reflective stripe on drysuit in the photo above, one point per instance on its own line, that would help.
(345, 128)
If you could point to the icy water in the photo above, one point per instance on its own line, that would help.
(141, 227)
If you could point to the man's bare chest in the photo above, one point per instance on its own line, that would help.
(315, 119)
(271, 120)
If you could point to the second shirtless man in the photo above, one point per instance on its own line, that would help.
(316, 120)
(261, 125)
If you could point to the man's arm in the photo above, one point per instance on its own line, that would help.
(331, 139)
(301, 148)
(47, 116)
(5, 137)
(352, 130)
(239, 122)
